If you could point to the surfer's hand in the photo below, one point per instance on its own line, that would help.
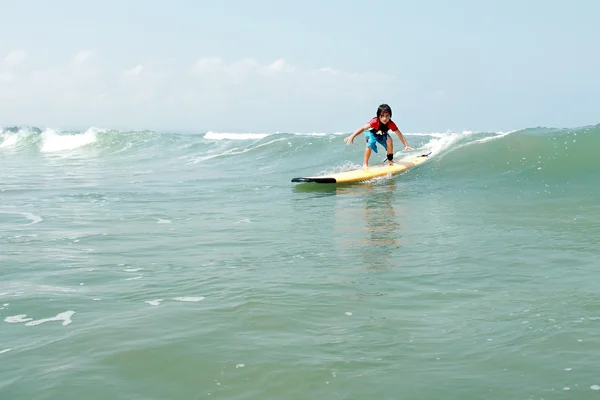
(408, 148)
(349, 139)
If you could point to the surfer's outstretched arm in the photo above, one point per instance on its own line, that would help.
(403, 140)
(357, 132)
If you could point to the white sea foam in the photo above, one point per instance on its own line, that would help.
(47, 288)
(31, 217)
(231, 152)
(191, 299)
(64, 316)
(53, 141)
(443, 141)
(132, 269)
(234, 136)
(13, 140)
(9, 140)
(17, 319)
(184, 299)
(490, 138)
(135, 278)
(320, 134)
(5, 351)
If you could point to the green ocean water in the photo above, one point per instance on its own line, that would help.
(145, 265)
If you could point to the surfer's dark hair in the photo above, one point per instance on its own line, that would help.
(384, 108)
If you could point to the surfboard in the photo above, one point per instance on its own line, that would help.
(358, 175)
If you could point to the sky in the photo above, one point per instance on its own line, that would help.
(299, 66)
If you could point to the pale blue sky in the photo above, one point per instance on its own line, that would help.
(308, 66)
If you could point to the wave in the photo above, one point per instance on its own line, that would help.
(52, 141)
(525, 154)
(533, 154)
(47, 141)
(250, 136)
(56, 141)
(234, 136)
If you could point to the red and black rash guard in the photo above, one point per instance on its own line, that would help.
(381, 129)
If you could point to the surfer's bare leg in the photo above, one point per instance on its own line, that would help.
(390, 148)
(367, 156)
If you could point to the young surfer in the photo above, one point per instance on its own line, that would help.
(377, 132)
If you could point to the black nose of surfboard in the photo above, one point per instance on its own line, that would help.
(315, 180)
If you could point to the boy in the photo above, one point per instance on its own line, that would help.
(377, 132)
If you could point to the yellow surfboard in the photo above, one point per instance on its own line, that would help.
(358, 175)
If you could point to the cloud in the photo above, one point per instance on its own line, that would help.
(136, 71)
(233, 72)
(14, 58)
(209, 65)
(280, 65)
(91, 90)
(5, 77)
(82, 57)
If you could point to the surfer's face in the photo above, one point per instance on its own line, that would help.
(384, 118)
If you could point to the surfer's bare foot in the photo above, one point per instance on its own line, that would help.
(365, 166)
(390, 162)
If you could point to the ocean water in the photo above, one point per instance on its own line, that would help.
(146, 265)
